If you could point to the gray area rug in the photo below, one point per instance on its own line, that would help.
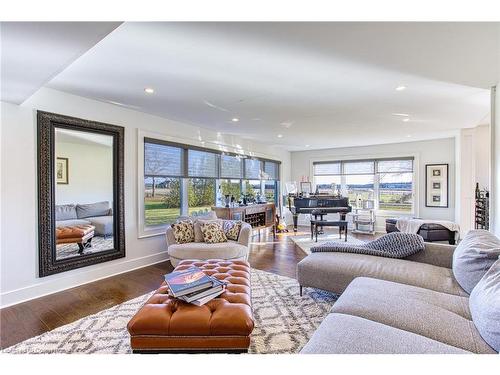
(284, 322)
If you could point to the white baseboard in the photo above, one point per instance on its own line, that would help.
(64, 282)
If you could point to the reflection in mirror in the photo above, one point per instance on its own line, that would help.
(83, 193)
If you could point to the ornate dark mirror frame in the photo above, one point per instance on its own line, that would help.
(47, 122)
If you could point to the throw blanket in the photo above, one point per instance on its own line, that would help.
(409, 225)
(391, 245)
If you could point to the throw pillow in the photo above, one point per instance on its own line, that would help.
(474, 256)
(232, 229)
(183, 231)
(198, 235)
(213, 233)
(484, 304)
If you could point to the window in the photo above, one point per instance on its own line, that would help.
(231, 188)
(187, 180)
(395, 185)
(253, 168)
(202, 164)
(231, 166)
(162, 185)
(388, 182)
(201, 195)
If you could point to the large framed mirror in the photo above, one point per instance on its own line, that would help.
(80, 193)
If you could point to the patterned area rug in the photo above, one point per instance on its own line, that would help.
(305, 243)
(99, 243)
(284, 322)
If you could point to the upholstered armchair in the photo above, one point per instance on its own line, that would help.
(230, 250)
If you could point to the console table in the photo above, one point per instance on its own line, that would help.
(259, 215)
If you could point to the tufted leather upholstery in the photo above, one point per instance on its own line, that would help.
(77, 233)
(224, 323)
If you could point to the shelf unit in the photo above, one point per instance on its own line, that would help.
(363, 218)
(482, 217)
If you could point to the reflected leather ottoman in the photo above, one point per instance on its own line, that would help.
(224, 324)
(79, 234)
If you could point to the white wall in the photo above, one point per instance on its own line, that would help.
(495, 162)
(90, 170)
(19, 250)
(425, 152)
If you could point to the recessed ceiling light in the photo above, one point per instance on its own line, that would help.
(408, 136)
(235, 119)
(401, 88)
(149, 90)
(401, 114)
(307, 145)
(406, 119)
(280, 135)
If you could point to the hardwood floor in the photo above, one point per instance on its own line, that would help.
(32, 318)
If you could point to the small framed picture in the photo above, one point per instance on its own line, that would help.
(306, 187)
(436, 185)
(62, 168)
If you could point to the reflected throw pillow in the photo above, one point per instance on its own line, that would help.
(183, 231)
(213, 232)
(232, 229)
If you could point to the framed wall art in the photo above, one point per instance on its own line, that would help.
(436, 185)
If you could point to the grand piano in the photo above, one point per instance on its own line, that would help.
(326, 203)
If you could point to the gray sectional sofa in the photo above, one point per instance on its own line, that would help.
(444, 299)
(98, 214)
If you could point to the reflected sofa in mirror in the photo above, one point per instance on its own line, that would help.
(80, 192)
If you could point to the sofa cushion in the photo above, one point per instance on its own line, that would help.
(473, 257)
(71, 223)
(348, 334)
(334, 271)
(213, 232)
(438, 316)
(92, 209)
(183, 231)
(485, 306)
(232, 229)
(103, 224)
(203, 251)
(65, 212)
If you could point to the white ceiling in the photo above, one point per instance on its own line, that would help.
(34, 52)
(318, 84)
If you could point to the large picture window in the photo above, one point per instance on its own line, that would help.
(187, 180)
(387, 182)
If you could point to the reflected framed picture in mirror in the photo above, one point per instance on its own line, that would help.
(62, 171)
(81, 219)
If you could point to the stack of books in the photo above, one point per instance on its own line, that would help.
(192, 285)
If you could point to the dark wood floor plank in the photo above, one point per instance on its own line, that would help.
(32, 318)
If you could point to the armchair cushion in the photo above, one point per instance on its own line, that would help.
(183, 231)
(232, 229)
(212, 233)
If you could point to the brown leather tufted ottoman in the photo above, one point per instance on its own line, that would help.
(224, 324)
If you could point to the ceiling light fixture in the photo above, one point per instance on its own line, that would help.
(406, 119)
(235, 119)
(401, 114)
(280, 135)
(401, 88)
(149, 90)
(307, 145)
